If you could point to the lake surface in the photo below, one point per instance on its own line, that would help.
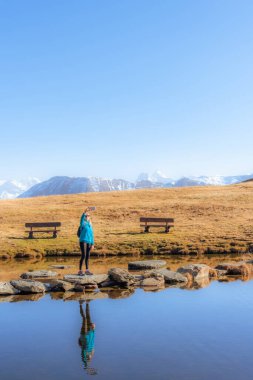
(174, 334)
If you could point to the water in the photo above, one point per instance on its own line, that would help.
(173, 334)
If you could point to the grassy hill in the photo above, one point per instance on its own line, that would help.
(207, 220)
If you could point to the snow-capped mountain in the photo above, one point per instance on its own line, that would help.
(33, 187)
(68, 185)
(10, 189)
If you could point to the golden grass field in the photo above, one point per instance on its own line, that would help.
(207, 220)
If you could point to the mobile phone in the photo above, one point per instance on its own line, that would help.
(92, 208)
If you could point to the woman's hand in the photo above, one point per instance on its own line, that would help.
(92, 247)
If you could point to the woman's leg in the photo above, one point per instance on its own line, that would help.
(87, 256)
(83, 247)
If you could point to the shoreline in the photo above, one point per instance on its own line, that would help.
(149, 275)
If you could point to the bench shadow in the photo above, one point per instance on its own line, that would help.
(137, 233)
(26, 238)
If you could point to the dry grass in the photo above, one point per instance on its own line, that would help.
(207, 220)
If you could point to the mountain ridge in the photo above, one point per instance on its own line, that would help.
(60, 185)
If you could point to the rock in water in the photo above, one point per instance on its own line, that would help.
(172, 277)
(29, 286)
(197, 271)
(83, 280)
(146, 264)
(6, 289)
(234, 269)
(121, 276)
(39, 274)
(59, 286)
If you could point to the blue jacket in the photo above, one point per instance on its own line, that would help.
(86, 235)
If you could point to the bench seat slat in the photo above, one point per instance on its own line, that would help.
(157, 225)
(28, 231)
(156, 220)
(38, 225)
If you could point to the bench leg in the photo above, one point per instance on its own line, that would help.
(146, 229)
(167, 229)
(55, 234)
(30, 236)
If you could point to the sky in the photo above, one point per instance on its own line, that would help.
(113, 88)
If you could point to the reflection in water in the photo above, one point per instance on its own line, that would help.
(87, 338)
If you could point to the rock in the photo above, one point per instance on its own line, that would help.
(29, 286)
(197, 271)
(61, 266)
(82, 280)
(146, 264)
(234, 269)
(108, 284)
(172, 277)
(79, 288)
(59, 286)
(153, 282)
(39, 274)
(7, 289)
(91, 287)
(121, 276)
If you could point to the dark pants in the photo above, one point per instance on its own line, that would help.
(85, 254)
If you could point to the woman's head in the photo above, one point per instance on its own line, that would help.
(88, 218)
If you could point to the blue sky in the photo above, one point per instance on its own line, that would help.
(113, 88)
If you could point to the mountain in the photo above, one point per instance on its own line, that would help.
(68, 185)
(10, 189)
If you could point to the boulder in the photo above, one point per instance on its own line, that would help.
(234, 269)
(29, 286)
(153, 282)
(196, 271)
(39, 274)
(172, 277)
(86, 279)
(121, 276)
(6, 289)
(146, 264)
(59, 286)
(108, 284)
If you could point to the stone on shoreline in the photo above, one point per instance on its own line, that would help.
(154, 282)
(146, 264)
(28, 286)
(234, 269)
(86, 279)
(172, 277)
(121, 276)
(6, 289)
(59, 266)
(59, 286)
(196, 271)
(39, 274)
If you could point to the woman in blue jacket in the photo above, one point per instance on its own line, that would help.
(86, 240)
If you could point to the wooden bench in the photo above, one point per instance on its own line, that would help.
(37, 227)
(167, 223)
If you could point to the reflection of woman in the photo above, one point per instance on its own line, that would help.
(87, 337)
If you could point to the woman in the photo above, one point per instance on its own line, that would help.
(86, 240)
